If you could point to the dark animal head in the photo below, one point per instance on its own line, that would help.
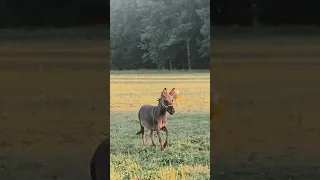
(166, 100)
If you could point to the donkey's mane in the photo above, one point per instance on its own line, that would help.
(159, 99)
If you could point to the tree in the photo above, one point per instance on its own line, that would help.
(155, 35)
(124, 33)
(187, 23)
(204, 44)
(149, 33)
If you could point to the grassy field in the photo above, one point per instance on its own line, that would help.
(188, 154)
(53, 108)
(270, 128)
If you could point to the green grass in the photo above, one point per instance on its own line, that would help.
(188, 154)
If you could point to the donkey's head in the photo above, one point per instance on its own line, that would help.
(166, 100)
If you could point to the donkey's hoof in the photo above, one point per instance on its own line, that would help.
(165, 145)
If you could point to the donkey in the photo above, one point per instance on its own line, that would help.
(154, 118)
(217, 98)
(100, 167)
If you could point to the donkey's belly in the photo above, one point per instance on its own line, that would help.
(148, 120)
(148, 125)
(152, 125)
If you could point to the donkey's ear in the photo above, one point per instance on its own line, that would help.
(164, 91)
(172, 91)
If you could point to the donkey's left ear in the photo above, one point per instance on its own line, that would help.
(172, 91)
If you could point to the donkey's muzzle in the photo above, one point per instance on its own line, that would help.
(171, 111)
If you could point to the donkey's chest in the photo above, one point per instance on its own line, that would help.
(162, 122)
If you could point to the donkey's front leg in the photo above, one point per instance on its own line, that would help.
(160, 140)
(152, 138)
(167, 134)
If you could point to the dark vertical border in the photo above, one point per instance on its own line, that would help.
(211, 119)
(32, 29)
(100, 162)
(281, 154)
(211, 98)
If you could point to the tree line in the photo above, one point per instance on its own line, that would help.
(265, 12)
(167, 34)
(158, 34)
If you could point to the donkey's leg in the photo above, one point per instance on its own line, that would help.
(160, 140)
(152, 138)
(143, 136)
(167, 133)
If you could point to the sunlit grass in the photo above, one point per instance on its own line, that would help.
(166, 173)
(145, 89)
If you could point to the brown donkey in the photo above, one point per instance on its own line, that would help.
(154, 118)
(99, 166)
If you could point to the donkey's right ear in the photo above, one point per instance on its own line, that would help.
(164, 92)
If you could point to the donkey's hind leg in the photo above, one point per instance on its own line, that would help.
(152, 138)
(142, 133)
(167, 134)
(143, 136)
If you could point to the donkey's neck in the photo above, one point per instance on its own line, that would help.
(160, 110)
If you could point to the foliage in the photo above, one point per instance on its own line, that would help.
(204, 44)
(154, 34)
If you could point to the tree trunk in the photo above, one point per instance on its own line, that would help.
(170, 64)
(161, 66)
(188, 52)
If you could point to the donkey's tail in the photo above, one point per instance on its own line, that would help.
(93, 171)
(139, 132)
(141, 127)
